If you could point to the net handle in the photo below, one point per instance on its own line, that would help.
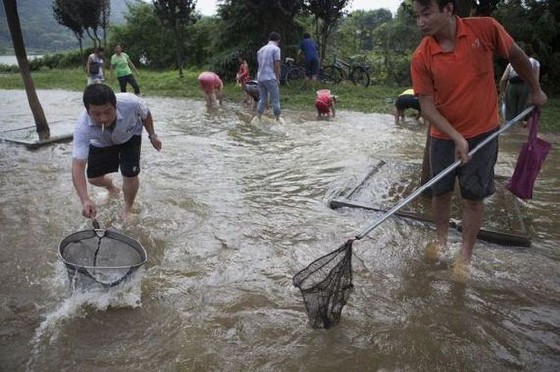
(444, 173)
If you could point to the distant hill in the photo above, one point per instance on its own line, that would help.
(41, 33)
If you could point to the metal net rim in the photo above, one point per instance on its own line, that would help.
(134, 244)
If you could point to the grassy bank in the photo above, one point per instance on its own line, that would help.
(168, 84)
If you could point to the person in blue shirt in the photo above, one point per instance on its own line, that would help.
(310, 59)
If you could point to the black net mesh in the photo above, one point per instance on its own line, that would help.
(105, 256)
(326, 285)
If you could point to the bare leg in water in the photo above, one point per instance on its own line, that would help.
(130, 189)
(441, 212)
(472, 221)
(106, 182)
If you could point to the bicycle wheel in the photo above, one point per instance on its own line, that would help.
(331, 75)
(295, 77)
(359, 75)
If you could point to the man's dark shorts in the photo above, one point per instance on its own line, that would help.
(103, 160)
(311, 68)
(407, 101)
(476, 178)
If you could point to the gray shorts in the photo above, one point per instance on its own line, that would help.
(252, 89)
(476, 178)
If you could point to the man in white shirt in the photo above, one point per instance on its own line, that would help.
(108, 136)
(268, 75)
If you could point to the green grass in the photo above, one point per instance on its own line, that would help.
(375, 98)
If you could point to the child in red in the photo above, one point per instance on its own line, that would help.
(212, 86)
(324, 102)
(243, 77)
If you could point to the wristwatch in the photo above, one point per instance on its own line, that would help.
(151, 136)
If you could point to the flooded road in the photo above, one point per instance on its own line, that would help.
(228, 212)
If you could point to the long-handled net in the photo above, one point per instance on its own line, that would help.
(326, 284)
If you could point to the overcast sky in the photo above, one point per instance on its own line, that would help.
(208, 7)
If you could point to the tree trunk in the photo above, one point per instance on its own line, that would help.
(179, 52)
(12, 16)
(90, 35)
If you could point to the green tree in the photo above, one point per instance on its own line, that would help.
(104, 20)
(12, 16)
(245, 26)
(176, 15)
(536, 23)
(144, 37)
(326, 14)
(368, 21)
(62, 16)
(82, 16)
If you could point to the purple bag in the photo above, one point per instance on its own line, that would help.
(529, 162)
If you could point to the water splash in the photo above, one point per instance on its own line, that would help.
(82, 302)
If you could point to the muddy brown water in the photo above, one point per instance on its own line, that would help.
(228, 212)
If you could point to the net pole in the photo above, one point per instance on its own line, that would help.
(444, 173)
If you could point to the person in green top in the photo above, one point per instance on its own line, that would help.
(121, 62)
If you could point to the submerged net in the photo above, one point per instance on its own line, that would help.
(102, 256)
(326, 285)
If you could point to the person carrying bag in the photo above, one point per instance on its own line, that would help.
(529, 162)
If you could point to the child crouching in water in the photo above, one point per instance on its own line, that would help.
(324, 102)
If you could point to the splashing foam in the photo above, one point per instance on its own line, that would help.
(79, 304)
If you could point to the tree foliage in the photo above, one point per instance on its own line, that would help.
(62, 14)
(536, 23)
(388, 40)
(326, 14)
(83, 16)
(245, 26)
(176, 15)
(144, 37)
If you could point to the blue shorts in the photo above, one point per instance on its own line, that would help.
(103, 160)
(476, 178)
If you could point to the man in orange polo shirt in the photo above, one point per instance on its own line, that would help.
(453, 75)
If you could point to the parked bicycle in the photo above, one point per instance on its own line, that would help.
(358, 73)
(293, 74)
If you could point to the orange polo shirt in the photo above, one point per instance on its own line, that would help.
(462, 81)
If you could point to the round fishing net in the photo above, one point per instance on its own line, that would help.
(102, 256)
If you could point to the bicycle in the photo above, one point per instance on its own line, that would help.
(358, 73)
(293, 74)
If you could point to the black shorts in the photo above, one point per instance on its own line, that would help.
(103, 160)
(311, 68)
(476, 178)
(407, 101)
